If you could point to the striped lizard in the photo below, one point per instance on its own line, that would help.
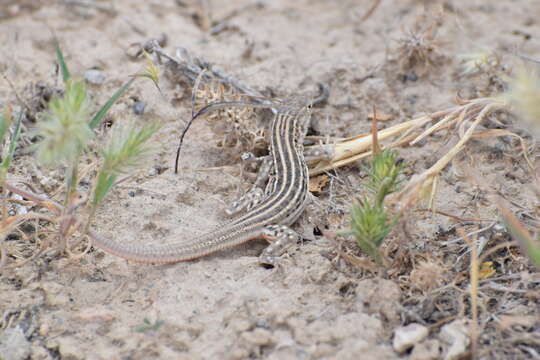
(268, 218)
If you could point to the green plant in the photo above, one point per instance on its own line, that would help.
(383, 175)
(370, 220)
(6, 120)
(127, 149)
(148, 326)
(65, 133)
(524, 96)
(65, 136)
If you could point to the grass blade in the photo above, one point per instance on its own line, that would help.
(127, 150)
(104, 184)
(96, 120)
(13, 144)
(5, 122)
(530, 246)
(61, 61)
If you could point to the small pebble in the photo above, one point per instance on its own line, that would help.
(456, 335)
(95, 77)
(21, 210)
(426, 350)
(138, 107)
(262, 324)
(406, 337)
(411, 76)
(131, 193)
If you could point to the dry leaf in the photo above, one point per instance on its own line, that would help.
(316, 184)
(507, 322)
(486, 270)
(428, 275)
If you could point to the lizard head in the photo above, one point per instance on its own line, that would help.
(295, 110)
(298, 107)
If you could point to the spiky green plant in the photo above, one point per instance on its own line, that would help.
(383, 175)
(370, 220)
(67, 128)
(65, 132)
(127, 149)
(370, 224)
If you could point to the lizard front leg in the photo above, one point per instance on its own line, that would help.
(255, 195)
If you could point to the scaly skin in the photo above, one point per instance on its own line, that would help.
(287, 194)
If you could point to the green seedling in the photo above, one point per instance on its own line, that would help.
(100, 115)
(370, 224)
(151, 71)
(529, 244)
(127, 150)
(148, 326)
(383, 175)
(61, 61)
(6, 120)
(370, 220)
(65, 133)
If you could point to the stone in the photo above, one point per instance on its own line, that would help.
(406, 337)
(456, 335)
(139, 107)
(426, 350)
(94, 77)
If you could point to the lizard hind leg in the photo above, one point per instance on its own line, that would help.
(281, 237)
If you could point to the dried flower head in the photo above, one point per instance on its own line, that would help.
(483, 60)
(427, 275)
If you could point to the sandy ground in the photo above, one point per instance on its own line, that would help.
(315, 305)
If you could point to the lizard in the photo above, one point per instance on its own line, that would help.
(269, 217)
